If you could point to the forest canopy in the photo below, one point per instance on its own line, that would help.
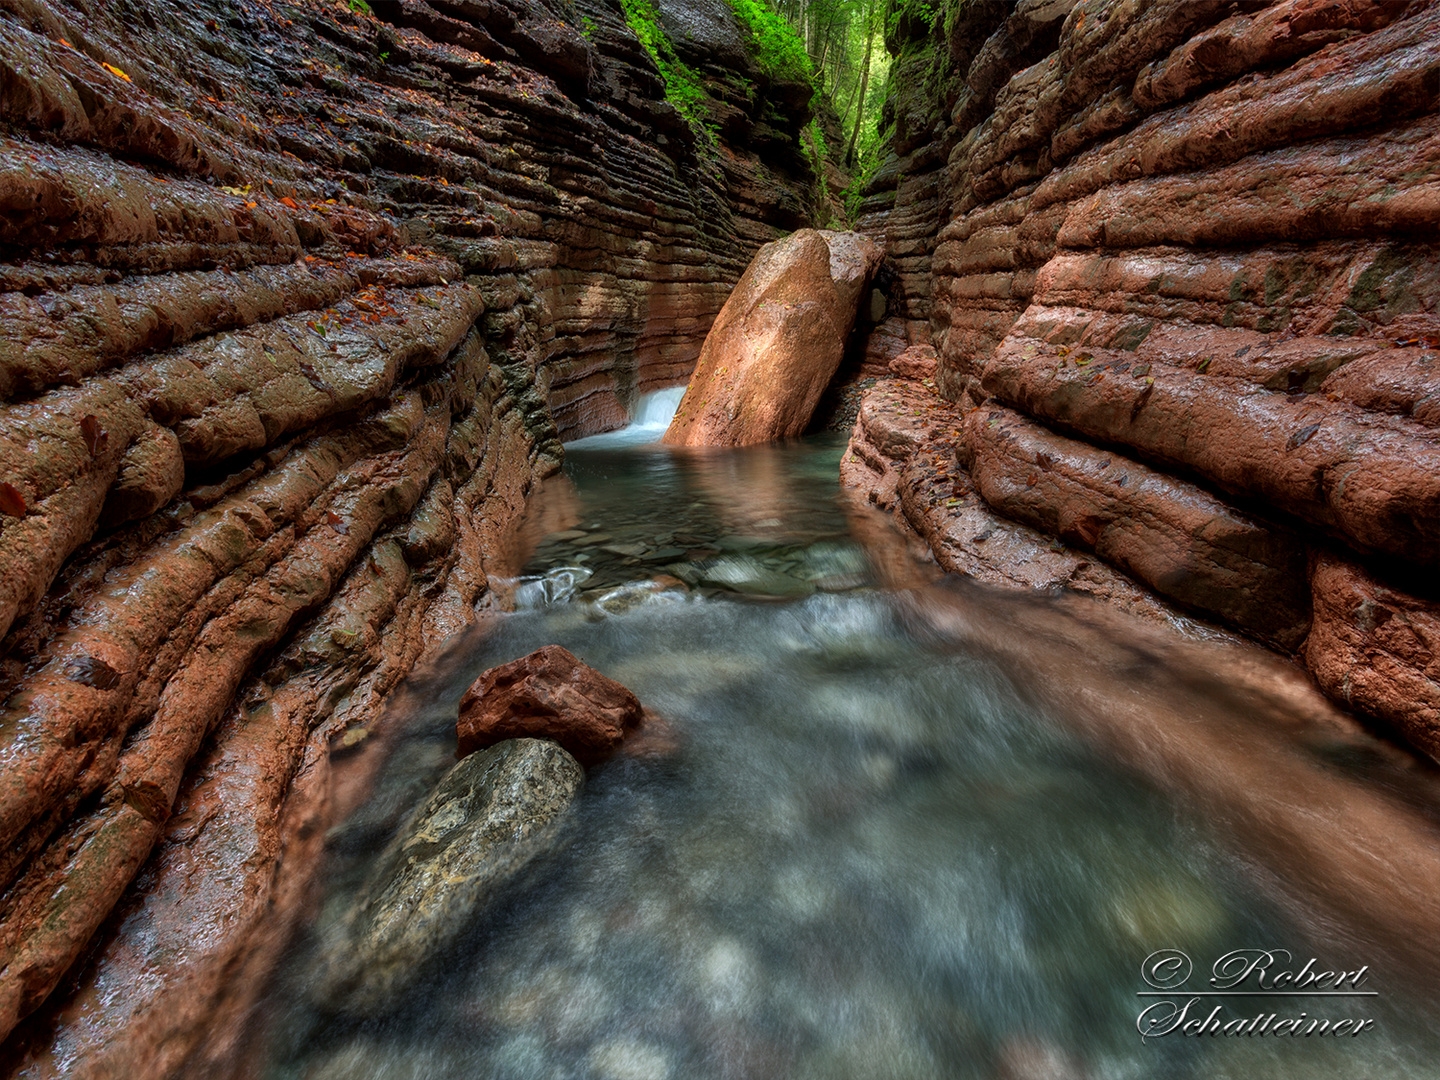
(838, 46)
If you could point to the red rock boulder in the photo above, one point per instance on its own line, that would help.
(917, 362)
(777, 342)
(548, 694)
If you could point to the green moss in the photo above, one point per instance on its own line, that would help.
(778, 46)
(683, 87)
(813, 140)
(918, 13)
(1385, 284)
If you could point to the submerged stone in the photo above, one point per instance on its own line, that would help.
(490, 815)
(743, 575)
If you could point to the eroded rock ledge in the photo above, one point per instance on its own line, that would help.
(1178, 262)
(296, 302)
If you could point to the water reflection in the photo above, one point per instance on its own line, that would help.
(925, 834)
(761, 522)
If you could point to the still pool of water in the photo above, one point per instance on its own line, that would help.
(886, 835)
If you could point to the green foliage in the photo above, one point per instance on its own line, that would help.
(778, 46)
(683, 87)
(869, 157)
(360, 7)
(923, 12)
(817, 141)
(812, 139)
(955, 11)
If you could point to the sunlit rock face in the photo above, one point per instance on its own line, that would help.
(1202, 238)
(777, 342)
(297, 300)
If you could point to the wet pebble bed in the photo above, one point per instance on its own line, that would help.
(724, 533)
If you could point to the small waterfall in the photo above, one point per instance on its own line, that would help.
(653, 413)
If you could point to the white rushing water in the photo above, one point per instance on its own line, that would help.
(653, 413)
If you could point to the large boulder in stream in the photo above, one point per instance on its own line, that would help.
(490, 815)
(548, 694)
(777, 341)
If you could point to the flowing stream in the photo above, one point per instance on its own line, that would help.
(891, 834)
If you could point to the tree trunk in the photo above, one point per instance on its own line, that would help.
(820, 67)
(864, 85)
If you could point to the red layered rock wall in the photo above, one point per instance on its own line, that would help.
(296, 300)
(1179, 262)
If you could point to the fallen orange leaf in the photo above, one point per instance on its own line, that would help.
(115, 71)
(290, 202)
(96, 437)
(12, 502)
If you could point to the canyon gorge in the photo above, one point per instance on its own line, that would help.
(300, 299)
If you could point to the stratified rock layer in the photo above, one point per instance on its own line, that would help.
(777, 342)
(902, 459)
(1200, 237)
(295, 301)
(1377, 649)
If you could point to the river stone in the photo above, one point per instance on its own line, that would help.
(490, 815)
(748, 576)
(550, 694)
(777, 341)
(632, 549)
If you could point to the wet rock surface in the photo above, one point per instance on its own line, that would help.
(295, 301)
(778, 341)
(1161, 229)
(489, 816)
(1173, 536)
(1377, 649)
(548, 694)
(900, 459)
(917, 362)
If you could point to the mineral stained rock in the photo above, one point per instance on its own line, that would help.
(489, 816)
(1195, 243)
(917, 362)
(548, 694)
(296, 301)
(1174, 536)
(902, 459)
(777, 342)
(1377, 649)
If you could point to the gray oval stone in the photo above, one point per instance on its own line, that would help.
(489, 816)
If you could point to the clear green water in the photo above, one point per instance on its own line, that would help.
(869, 852)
